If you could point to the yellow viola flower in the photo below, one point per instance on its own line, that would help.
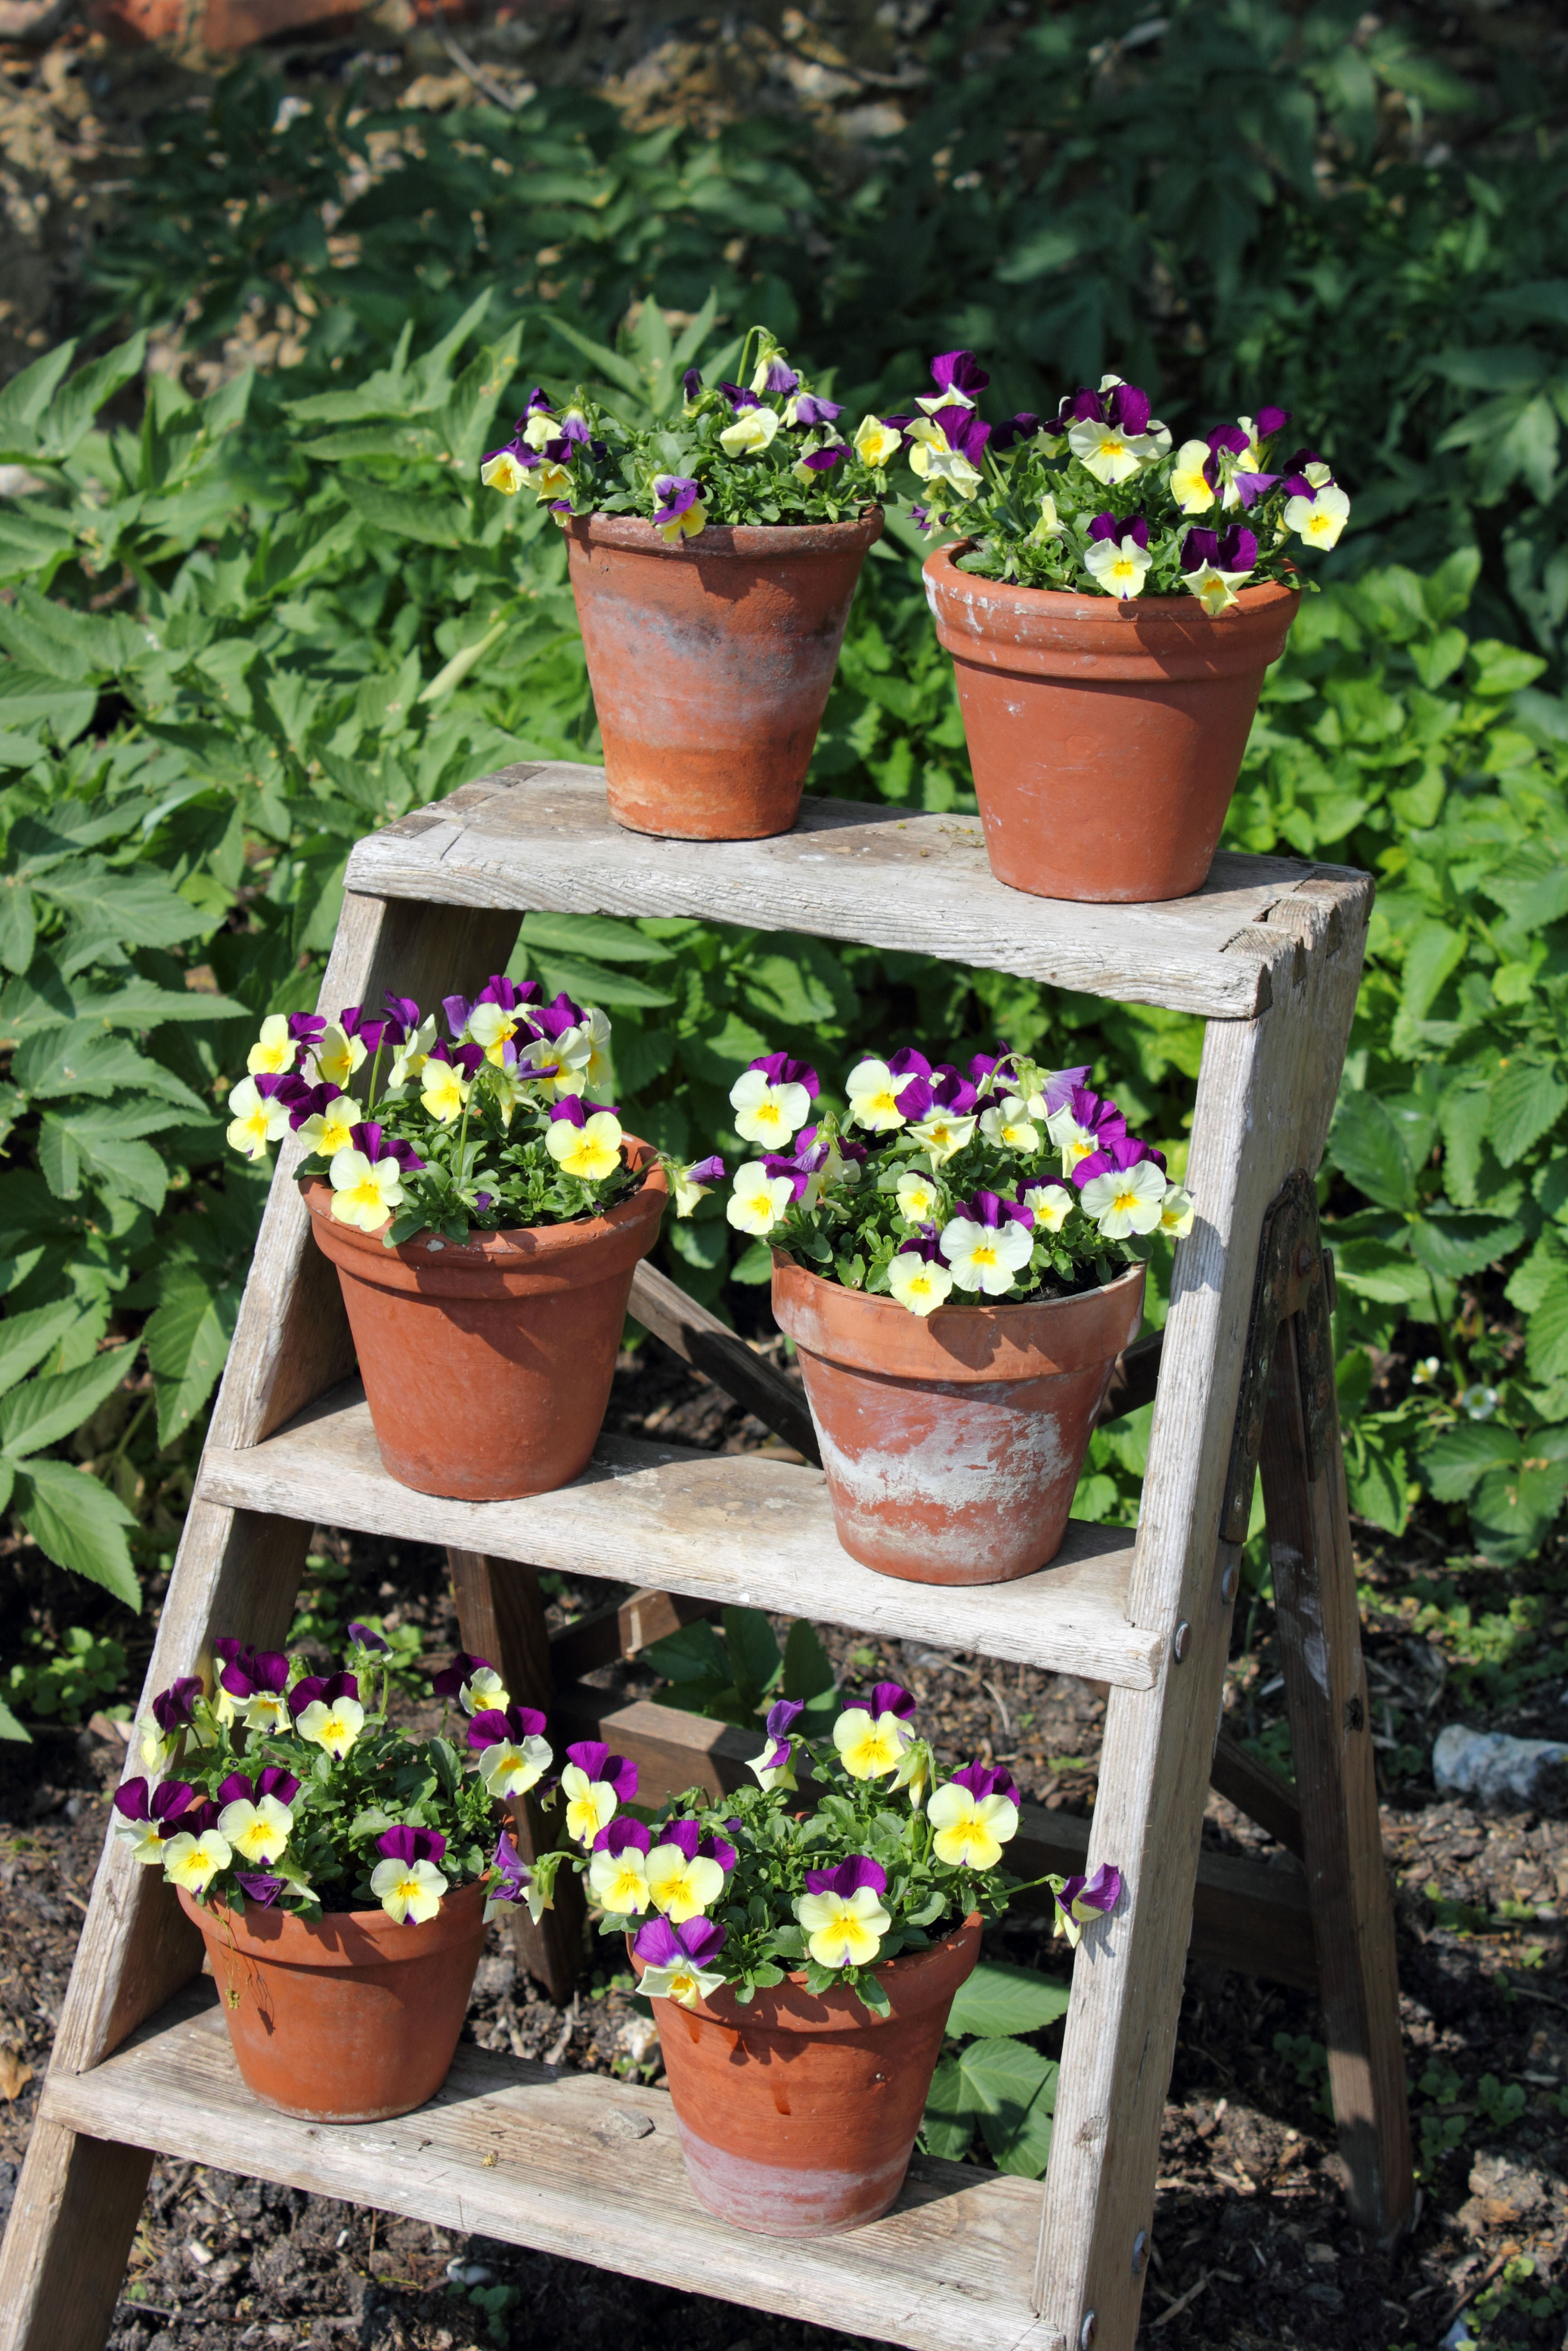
(1318, 520)
(491, 1027)
(917, 1197)
(332, 1724)
(753, 431)
(444, 1090)
(194, 1862)
(331, 1131)
(409, 1892)
(757, 1200)
(619, 1881)
(338, 1057)
(941, 1134)
(362, 1194)
(259, 1119)
(877, 444)
(1050, 525)
(1176, 1213)
(870, 1745)
(1189, 487)
(591, 1151)
(256, 1832)
(1053, 1205)
(874, 1092)
(591, 1804)
(1110, 454)
(973, 1817)
(502, 472)
(916, 1284)
(842, 1913)
(682, 1885)
(1008, 1124)
(273, 1053)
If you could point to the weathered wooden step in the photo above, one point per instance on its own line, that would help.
(739, 1529)
(584, 2167)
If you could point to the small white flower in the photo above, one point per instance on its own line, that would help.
(917, 1284)
(757, 1200)
(1126, 1200)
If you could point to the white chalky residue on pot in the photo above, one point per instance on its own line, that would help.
(984, 1466)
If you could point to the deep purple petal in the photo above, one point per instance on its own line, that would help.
(892, 1698)
(622, 1832)
(848, 1877)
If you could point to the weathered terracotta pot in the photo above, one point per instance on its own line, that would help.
(352, 2019)
(487, 1368)
(1105, 738)
(710, 664)
(797, 2114)
(952, 1445)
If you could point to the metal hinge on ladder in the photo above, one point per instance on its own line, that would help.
(1295, 1277)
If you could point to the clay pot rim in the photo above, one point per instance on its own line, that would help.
(841, 2009)
(1072, 604)
(514, 1245)
(747, 542)
(303, 1943)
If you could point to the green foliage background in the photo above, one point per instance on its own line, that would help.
(240, 630)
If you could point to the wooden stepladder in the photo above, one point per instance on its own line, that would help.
(1269, 954)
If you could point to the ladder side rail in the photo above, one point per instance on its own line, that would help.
(1302, 1464)
(236, 1572)
(1265, 1092)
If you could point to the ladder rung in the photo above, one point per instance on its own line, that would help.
(740, 1529)
(521, 2153)
(542, 838)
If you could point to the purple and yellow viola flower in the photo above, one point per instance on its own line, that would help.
(273, 1053)
(974, 1815)
(1085, 1122)
(763, 1193)
(255, 1817)
(843, 1914)
(365, 1191)
(146, 1819)
(513, 1882)
(986, 1241)
(677, 1961)
(877, 441)
(259, 1117)
(1118, 556)
(327, 1712)
(684, 1880)
(172, 1716)
(772, 1099)
(339, 1052)
(678, 510)
(1128, 1196)
(871, 1738)
(1215, 563)
(1049, 1203)
(513, 1755)
(595, 1784)
(693, 1183)
(618, 1869)
(473, 1681)
(775, 1767)
(409, 1883)
(959, 379)
(326, 1119)
(446, 1080)
(1082, 1900)
(583, 1138)
(197, 1851)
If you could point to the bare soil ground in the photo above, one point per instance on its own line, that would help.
(1253, 2246)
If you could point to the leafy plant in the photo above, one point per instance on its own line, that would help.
(67, 1679)
(994, 2081)
(732, 1675)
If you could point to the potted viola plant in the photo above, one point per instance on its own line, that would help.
(339, 1870)
(1110, 605)
(801, 1948)
(485, 1216)
(713, 557)
(959, 1262)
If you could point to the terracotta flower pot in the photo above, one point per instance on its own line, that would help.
(710, 664)
(487, 1368)
(351, 2020)
(1105, 738)
(797, 2114)
(952, 1445)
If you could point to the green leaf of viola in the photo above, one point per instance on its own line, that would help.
(79, 1524)
(372, 1821)
(999, 2000)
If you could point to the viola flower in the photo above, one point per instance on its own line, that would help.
(916, 1768)
(871, 1738)
(365, 1636)
(412, 1049)
(692, 384)
(773, 375)
(273, 1053)
(877, 443)
(948, 447)
(874, 1089)
(678, 512)
(255, 1822)
(504, 470)
(484, 1692)
(676, 1959)
(618, 1874)
(1120, 570)
(974, 1816)
(1126, 1199)
(987, 1244)
(364, 1191)
(842, 1912)
(407, 1884)
(772, 1098)
(1049, 1203)
(819, 461)
(959, 377)
(595, 1784)
(1085, 1122)
(811, 409)
(683, 1882)
(327, 1125)
(1111, 452)
(144, 1822)
(1008, 1122)
(1318, 518)
(1048, 524)
(445, 1085)
(193, 1860)
(941, 1133)
(1176, 1213)
(1190, 485)
(468, 1678)
(583, 1139)
(1083, 1899)
(918, 1284)
(753, 431)
(332, 1724)
(775, 1766)
(338, 1055)
(757, 1199)
(695, 1183)
(917, 1197)
(513, 1884)
(513, 1757)
(171, 1715)
(259, 1117)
